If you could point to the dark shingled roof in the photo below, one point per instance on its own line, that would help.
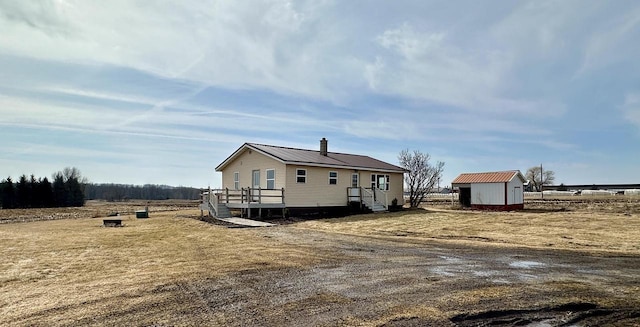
(491, 177)
(305, 157)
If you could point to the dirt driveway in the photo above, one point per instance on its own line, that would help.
(369, 281)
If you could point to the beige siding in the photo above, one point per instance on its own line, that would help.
(396, 188)
(315, 192)
(249, 161)
(396, 184)
(318, 192)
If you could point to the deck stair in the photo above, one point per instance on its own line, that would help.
(223, 211)
(377, 207)
(372, 202)
(217, 210)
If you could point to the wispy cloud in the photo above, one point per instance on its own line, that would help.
(423, 65)
(612, 40)
(515, 81)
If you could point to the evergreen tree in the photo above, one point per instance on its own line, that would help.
(22, 192)
(7, 192)
(75, 197)
(45, 193)
(67, 190)
(68, 187)
(32, 196)
(59, 190)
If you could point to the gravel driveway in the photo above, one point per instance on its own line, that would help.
(393, 282)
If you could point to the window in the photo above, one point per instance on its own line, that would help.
(271, 179)
(383, 182)
(236, 180)
(301, 176)
(355, 180)
(380, 181)
(255, 179)
(333, 177)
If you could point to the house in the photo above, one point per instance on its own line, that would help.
(501, 190)
(259, 176)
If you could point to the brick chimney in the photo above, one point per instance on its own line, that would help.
(323, 146)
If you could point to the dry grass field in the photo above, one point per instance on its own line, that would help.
(412, 268)
(565, 230)
(64, 271)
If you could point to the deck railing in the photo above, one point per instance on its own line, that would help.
(381, 197)
(368, 197)
(210, 200)
(354, 194)
(244, 195)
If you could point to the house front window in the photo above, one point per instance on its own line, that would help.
(333, 178)
(380, 182)
(271, 179)
(301, 176)
(236, 181)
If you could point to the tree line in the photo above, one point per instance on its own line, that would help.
(70, 189)
(28, 192)
(122, 192)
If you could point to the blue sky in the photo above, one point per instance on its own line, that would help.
(163, 91)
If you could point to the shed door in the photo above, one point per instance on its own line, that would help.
(517, 195)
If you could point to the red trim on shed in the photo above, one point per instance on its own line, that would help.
(490, 207)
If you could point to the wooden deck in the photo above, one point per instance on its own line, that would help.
(219, 201)
(244, 199)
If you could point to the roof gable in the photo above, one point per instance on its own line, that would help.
(305, 157)
(488, 177)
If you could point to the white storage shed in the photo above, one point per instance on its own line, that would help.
(502, 190)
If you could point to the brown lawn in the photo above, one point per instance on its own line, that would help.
(58, 272)
(55, 272)
(572, 230)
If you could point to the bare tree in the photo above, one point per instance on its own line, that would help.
(539, 177)
(422, 176)
(73, 173)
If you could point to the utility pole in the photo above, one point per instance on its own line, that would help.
(541, 183)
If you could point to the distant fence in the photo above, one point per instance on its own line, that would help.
(547, 194)
(442, 196)
(436, 197)
(583, 193)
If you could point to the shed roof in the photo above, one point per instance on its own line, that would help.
(489, 177)
(305, 157)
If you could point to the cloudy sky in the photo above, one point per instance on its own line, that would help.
(163, 91)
